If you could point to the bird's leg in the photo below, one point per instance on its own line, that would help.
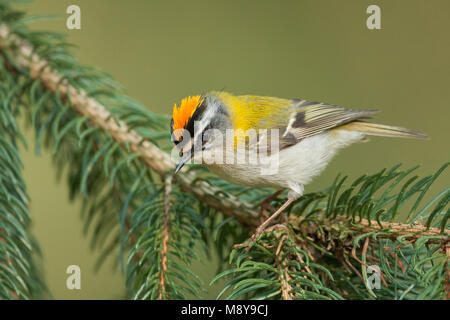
(265, 204)
(295, 193)
(268, 221)
(264, 225)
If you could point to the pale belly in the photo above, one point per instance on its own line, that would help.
(298, 164)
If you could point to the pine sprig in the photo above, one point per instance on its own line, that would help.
(158, 264)
(113, 181)
(276, 267)
(112, 151)
(349, 232)
(19, 277)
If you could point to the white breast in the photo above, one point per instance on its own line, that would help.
(297, 164)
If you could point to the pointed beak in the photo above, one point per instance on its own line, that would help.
(182, 163)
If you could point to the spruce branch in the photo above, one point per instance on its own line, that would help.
(385, 230)
(347, 227)
(19, 277)
(446, 249)
(159, 161)
(165, 235)
(324, 248)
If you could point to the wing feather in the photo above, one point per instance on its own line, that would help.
(295, 119)
(312, 118)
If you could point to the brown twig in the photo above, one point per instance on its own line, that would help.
(283, 277)
(359, 260)
(165, 237)
(159, 161)
(393, 229)
(446, 249)
(156, 159)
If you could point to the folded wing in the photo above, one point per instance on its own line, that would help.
(311, 118)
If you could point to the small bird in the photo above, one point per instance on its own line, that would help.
(306, 136)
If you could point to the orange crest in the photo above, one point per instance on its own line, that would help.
(182, 114)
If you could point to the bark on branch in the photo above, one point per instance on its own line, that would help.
(159, 161)
(156, 159)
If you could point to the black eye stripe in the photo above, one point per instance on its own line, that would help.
(197, 114)
(208, 127)
(189, 126)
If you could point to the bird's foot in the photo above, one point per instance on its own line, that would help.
(262, 228)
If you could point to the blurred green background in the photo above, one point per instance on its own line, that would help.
(322, 50)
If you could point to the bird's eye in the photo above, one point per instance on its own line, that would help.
(181, 153)
(178, 141)
(206, 137)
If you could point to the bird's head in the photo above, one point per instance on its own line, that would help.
(195, 125)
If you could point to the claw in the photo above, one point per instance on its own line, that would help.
(263, 226)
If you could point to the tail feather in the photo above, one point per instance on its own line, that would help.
(376, 129)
